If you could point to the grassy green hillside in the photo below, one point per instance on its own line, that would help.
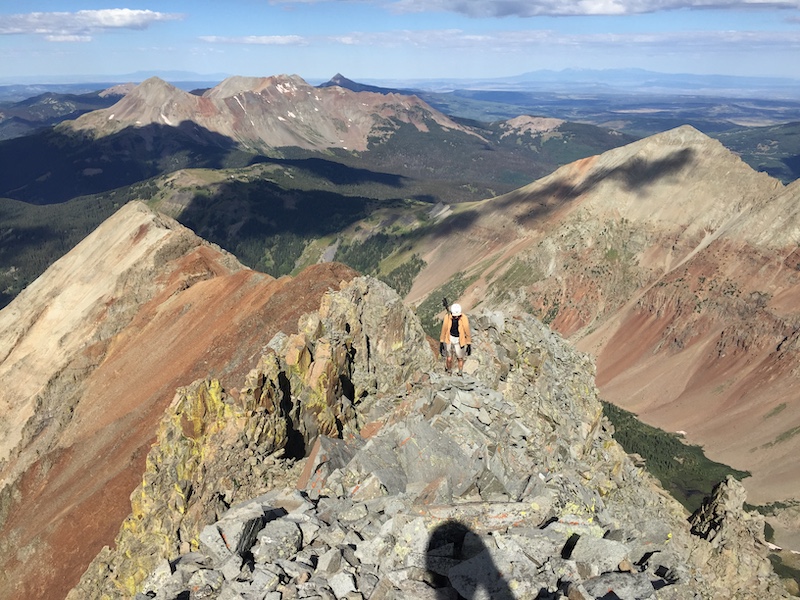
(33, 237)
(683, 469)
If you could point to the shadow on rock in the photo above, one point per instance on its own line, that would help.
(461, 566)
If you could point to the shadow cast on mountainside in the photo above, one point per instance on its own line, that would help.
(335, 172)
(637, 174)
(267, 226)
(454, 224)
(56, 165)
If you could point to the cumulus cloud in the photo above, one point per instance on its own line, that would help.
(534, 8)
(80, 25)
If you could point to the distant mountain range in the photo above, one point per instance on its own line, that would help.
(593, 80)
(729, 113)
(619, 80)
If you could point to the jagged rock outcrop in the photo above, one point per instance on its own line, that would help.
(212, 443)
(506, 483)
(731, 531)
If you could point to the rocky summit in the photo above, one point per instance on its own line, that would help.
(348, 465)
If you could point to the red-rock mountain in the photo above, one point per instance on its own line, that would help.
(264, 112)
(92, 353)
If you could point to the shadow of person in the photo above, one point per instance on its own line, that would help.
(461, 567)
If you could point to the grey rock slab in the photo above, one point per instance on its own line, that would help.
(327, 456)
(295, 569)
(371, 550)
(368, 488)
(213, 544)
(342, 584)
(467, 398)
(604, 555)
(162, 579)
(425, 455)
(366, 583)
(419, 590)
(240, 524)
(231, 568)
(568, 525)
(266, 578)
(354, 513)
(379, 459)
(278, 539)
(411, 537)
(625, 586)
(486, 516)
(205, 579)
(231, 592)
(309, 531)
(330, 561)
(537, 544)
(435, 406)
(480, 578)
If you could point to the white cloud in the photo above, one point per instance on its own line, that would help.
(534, 8)
(525, 40)
(267, 40)
(78, 26)
(68, 38)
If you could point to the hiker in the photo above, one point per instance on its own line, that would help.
(455, 339)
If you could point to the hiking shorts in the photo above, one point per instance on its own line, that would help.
(454, 349)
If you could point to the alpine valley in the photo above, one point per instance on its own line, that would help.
(218, 364)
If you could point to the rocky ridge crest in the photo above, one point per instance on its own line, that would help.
(506, 483)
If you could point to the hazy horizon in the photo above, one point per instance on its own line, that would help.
(399, 39)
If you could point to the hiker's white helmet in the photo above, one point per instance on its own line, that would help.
(455, 310)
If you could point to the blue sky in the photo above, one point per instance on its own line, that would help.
(396, 39)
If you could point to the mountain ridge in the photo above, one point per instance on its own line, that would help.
(266, 112)
(153, 309)
(586, 486)
(668, 259)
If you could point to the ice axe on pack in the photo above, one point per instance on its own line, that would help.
(442, 350)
